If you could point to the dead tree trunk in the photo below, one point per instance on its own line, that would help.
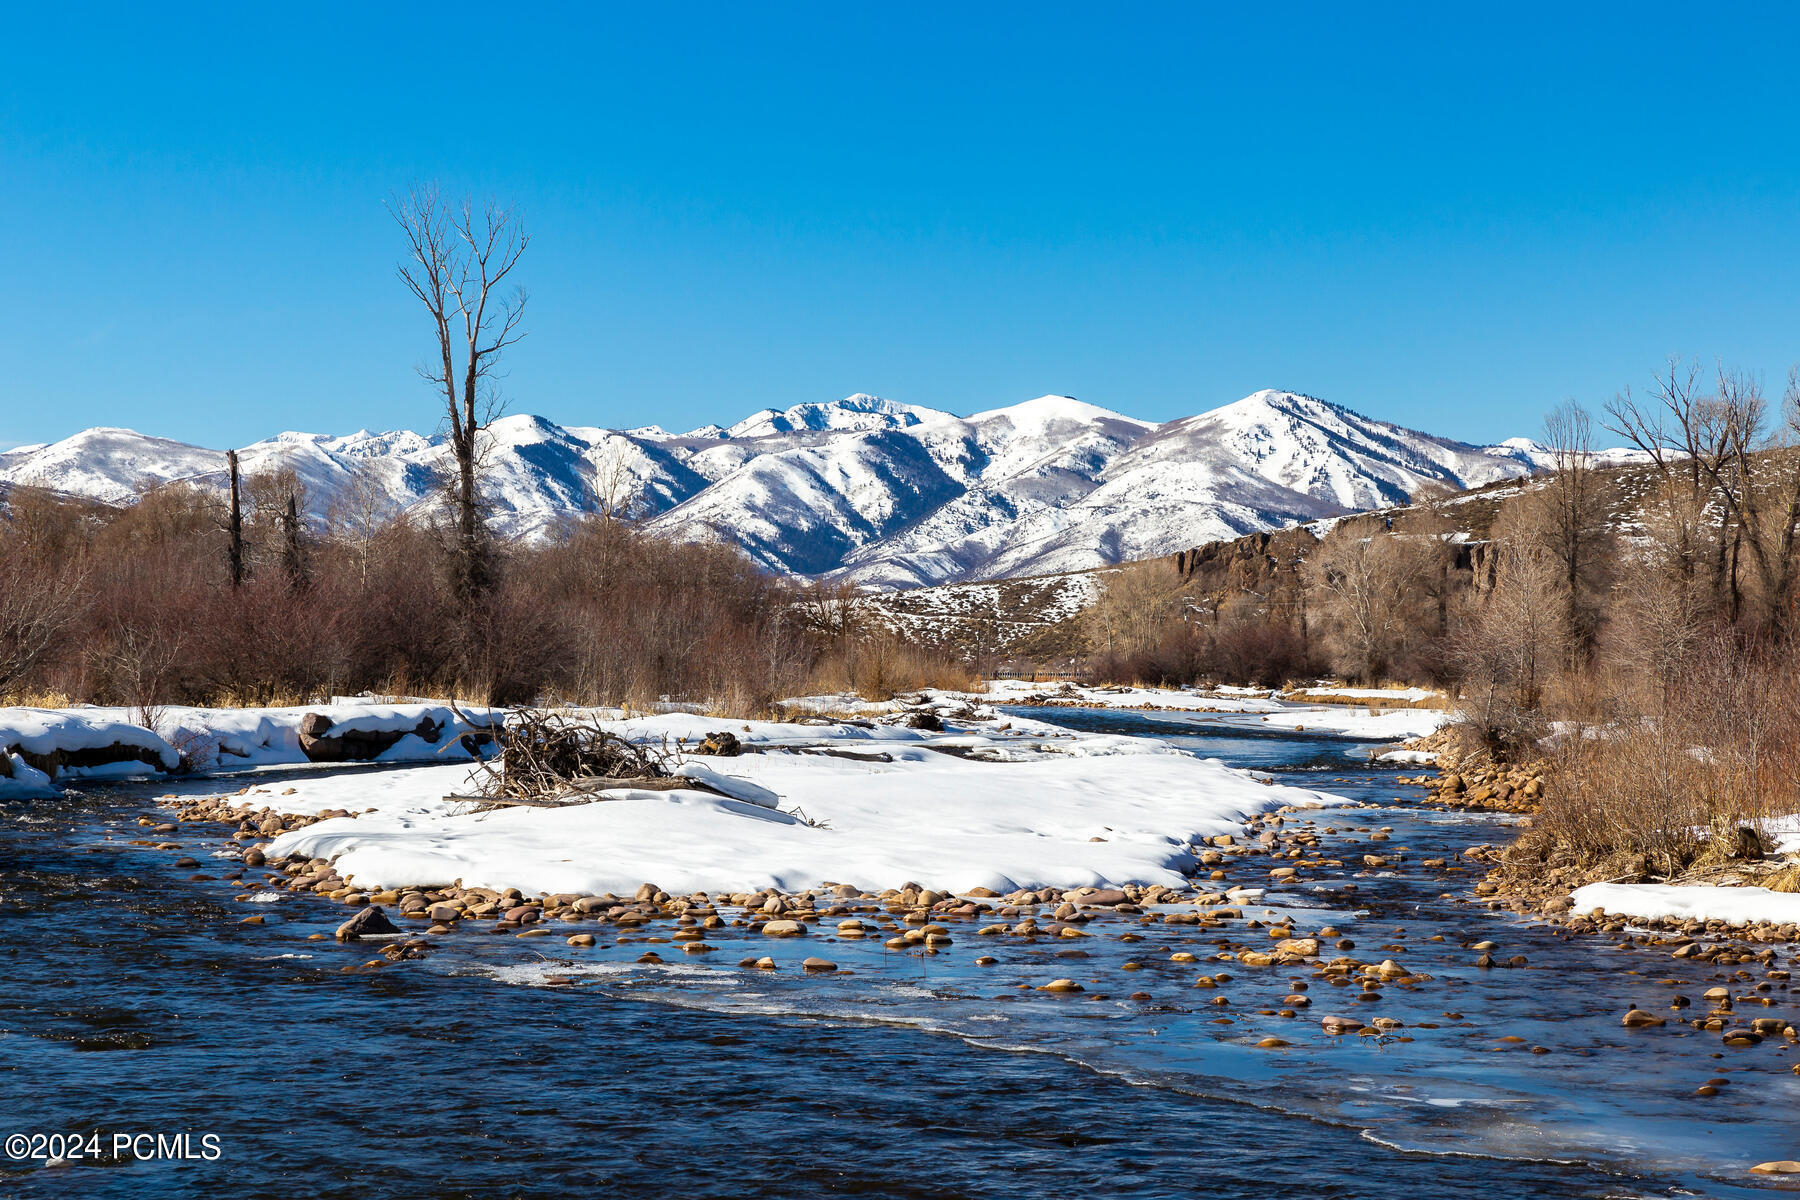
(292, 560)
(235, 555)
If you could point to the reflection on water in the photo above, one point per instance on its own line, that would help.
(136, 1000)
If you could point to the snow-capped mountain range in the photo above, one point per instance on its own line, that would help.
(886, 494)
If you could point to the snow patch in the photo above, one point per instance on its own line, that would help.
(1697, 902)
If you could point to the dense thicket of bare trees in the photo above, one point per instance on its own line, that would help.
(137, 606)
(1147, 625)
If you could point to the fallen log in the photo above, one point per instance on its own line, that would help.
(583, 792)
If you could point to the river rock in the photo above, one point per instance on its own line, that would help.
(783, 929)
(370, 921)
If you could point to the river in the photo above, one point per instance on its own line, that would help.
(133, 1000)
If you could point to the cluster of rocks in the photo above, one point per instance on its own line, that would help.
(912, 917)
(909, 918)
(1736, 1029)
(1473, 781)
(253, 824)
(1729, 944)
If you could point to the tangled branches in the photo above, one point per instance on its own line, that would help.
(550, 757)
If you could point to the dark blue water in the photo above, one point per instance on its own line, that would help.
(132, 1000)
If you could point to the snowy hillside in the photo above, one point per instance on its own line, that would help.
(886, 494)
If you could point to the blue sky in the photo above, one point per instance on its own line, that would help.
(1445, 216)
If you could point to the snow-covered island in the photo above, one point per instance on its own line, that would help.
(995, 802)
(847, 792)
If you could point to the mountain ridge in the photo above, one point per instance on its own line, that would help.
(871, 490)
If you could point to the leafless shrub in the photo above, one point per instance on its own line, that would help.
(1637, 778)
(1511, 644)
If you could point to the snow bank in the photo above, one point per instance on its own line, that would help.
(259, 737)
(839, 702)
(44, 731)
(75, 743)
(223, 738)
(1079, 812)
(1374, 724)
(1734, 905)
(1332, 720)
(19, 780)
(1015, 691)
(1424, 757)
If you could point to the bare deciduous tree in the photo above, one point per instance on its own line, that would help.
(277, 497)
(1565, 520)
(1513, 641)
(38, 602)
(1136, 605)
(458, 262)
(1676, 428)
(614, 490)
(1358, 580)
(1729, 511)
(360, 511)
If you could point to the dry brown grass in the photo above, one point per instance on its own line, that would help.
(1301, 695)
(1669, 781)
(878, 666)
(36, 698)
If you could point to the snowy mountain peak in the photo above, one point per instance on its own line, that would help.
(1050, 410)
(859, 412)
(1277, 409)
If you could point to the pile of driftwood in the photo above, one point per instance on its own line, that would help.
(550, 758)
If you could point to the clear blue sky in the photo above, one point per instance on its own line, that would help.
(1445, 215)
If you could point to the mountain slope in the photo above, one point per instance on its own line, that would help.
(1268, 460)
(885, 494)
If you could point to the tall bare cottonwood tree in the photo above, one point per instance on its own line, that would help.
(1566, 519)
(459, 259)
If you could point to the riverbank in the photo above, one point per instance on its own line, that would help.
(1748, 893)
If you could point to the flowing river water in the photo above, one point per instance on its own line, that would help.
(134, 1001)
